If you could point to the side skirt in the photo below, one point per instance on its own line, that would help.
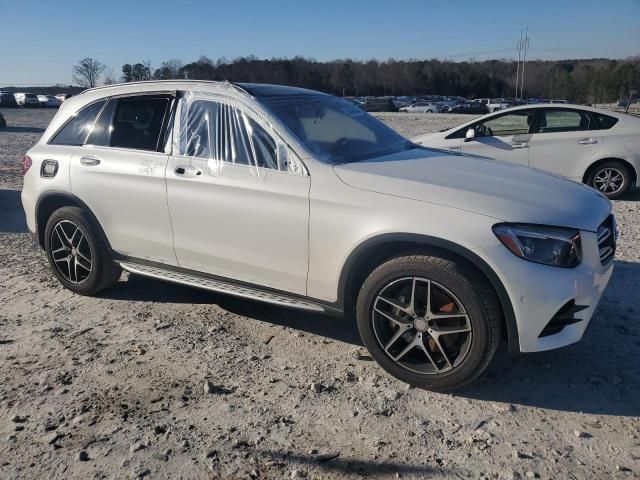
(220, 285)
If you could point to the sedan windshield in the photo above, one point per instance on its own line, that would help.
(335, 130)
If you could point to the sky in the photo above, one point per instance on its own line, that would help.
(41, 43)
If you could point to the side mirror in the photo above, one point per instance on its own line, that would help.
(470, 135)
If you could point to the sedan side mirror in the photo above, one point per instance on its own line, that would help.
(470, 135)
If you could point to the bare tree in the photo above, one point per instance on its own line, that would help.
(87, 72)
(109, 76)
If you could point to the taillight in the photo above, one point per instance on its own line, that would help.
(26, 164)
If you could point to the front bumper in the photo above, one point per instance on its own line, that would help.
(538, 292)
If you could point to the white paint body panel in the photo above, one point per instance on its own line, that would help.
(236, 224)
(126, 192)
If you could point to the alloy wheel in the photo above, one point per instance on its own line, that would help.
(70, 252)
(421, 325)
(608, 180)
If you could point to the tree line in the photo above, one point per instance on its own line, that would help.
(581, 80)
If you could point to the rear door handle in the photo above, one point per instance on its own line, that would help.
(519, 145)
(587, 141)
(90, 161)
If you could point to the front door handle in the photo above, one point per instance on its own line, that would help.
(188, 171)
(519, 145)
(89, 161)
(587, 141)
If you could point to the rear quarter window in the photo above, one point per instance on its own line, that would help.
(605, 122)
(78, 127)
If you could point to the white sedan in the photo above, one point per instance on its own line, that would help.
(48, 101)
(597, 147)
(422, 107)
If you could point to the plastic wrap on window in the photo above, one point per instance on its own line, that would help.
(217, 128)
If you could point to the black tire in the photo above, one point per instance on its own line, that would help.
(611, 166)
(104, 272)
(484, 317)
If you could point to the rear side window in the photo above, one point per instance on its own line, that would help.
(559, 120)
(131, 122)
(605, 122)
(76, 130)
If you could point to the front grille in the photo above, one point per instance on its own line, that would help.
(607, 240)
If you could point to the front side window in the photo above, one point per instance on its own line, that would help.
(509, 124)
(335, 130)
(221, 132)
(514, 123)
(560, 120)
(76, 130)
(131, 122)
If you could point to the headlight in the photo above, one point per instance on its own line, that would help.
(558, 247)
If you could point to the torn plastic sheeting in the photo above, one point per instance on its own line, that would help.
(220, 131)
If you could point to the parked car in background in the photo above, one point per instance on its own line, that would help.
(597, 147)
(49, 101)
(3, 122)
(63, 96)
(493, 104)
(422, 107)
(379, 105)
(470, 107)
(496, 104)
(404, 101)
(434, 252)
(7, 100)
(27, 99)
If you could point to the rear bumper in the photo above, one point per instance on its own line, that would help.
(539, 292)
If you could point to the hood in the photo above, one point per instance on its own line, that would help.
(504, 191)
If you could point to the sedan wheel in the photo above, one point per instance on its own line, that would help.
(611, 178)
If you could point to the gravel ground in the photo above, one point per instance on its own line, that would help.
(152, 380)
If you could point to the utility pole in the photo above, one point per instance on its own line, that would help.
(518, 64)
(524, 59)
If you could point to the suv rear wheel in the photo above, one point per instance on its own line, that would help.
(79, 258)
(428, 321)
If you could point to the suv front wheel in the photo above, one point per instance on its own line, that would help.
(78, 256)
(431, 322)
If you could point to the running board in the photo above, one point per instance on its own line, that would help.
(220, 286)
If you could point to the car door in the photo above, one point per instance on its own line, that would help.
(238, 211)
(119, 173)
(504, 136)
(564, 142)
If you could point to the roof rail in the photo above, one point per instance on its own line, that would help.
(142, 82)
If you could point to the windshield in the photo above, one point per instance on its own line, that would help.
(334, 129)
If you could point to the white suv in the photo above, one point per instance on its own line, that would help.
(298, 198)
